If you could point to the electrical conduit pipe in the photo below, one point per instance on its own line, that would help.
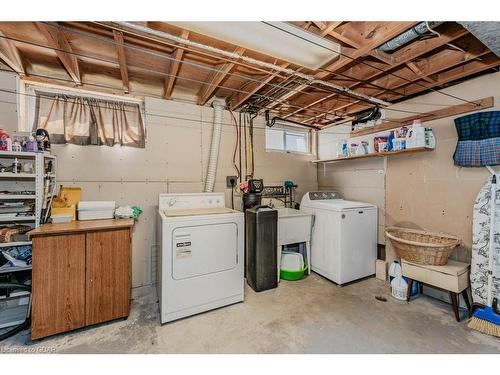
(219, 105)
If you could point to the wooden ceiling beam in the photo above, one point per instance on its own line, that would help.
(454, 74)
(120, 51)
(215, 79)
(58, 41)
(428, 67)
(459, 72)
(329, 27)
(175, 65)
(408, 54)
(10, 55)
(377, 36)
(241, 98)
(415, 69)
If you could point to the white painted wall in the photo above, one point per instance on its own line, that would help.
(8, 101)
(174, 160)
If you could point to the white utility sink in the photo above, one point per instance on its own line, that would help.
(294, 226)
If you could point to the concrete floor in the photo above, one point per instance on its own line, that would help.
(308, 316)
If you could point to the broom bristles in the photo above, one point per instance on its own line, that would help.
(484, 326)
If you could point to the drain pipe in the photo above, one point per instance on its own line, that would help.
(236, 56)
(219, 105)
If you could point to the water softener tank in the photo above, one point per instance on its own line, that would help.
(261, 224)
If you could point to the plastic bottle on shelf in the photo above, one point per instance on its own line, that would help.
(15, 166)
(390, 141)
(430, 140)
(8, 143)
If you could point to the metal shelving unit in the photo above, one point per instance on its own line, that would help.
(36, 182)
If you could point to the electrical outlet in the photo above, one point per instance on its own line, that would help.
(230, 179)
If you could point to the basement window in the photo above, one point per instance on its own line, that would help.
(280, 139)
(81, 117)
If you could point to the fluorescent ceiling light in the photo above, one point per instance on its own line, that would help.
(278, 39)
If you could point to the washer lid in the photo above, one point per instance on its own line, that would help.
(339, 204)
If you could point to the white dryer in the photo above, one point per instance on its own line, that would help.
(344, 236)
(201, 256)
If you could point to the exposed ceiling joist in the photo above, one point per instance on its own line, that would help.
(120, 51)
(415, 69)
(473, 67)
(10, 55)
(374, 38)
(240, 98)
(407, 54)
(430, 66)
(215, 79)
(58, 41)
(460, 72)
(329, 27)
(175, 64)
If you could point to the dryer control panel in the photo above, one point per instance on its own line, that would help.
(188, 201)
(321, 195)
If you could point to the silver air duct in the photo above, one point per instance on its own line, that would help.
(409, 35)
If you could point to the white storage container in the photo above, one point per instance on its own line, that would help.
(291, 261)
(94, 210)
(61, 218)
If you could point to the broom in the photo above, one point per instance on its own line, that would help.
(486, 319)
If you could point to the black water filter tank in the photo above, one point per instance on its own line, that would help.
(261, 224)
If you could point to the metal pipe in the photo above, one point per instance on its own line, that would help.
(236, 56)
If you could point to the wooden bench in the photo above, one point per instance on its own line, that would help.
(453, 277)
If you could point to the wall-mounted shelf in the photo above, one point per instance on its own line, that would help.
(23, 154)
(375, 155)
(18, 243)
(17, 218)
(17, 175)
(16, 197)
(14, 269)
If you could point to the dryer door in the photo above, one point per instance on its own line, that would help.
(204, 249)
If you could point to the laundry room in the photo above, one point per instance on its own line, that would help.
(194, 186)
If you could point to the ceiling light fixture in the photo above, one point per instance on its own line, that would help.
(277, 39)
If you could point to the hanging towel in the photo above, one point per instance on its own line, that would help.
(478, 139)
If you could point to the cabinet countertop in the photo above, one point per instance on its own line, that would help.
(81, 226)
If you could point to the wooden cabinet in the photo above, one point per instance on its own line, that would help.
(58, 284)
(81, 275)
(107, 276)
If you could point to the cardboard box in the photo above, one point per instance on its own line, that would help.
(381, 269)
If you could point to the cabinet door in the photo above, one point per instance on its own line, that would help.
(58, 280)
(108, 275)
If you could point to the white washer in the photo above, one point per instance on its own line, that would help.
(344, 236)
(201, 256)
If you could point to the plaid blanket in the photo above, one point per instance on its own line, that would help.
(478, 153)
(481, 125)
(478, 139)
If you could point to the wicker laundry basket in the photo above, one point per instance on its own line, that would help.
(422, 247)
